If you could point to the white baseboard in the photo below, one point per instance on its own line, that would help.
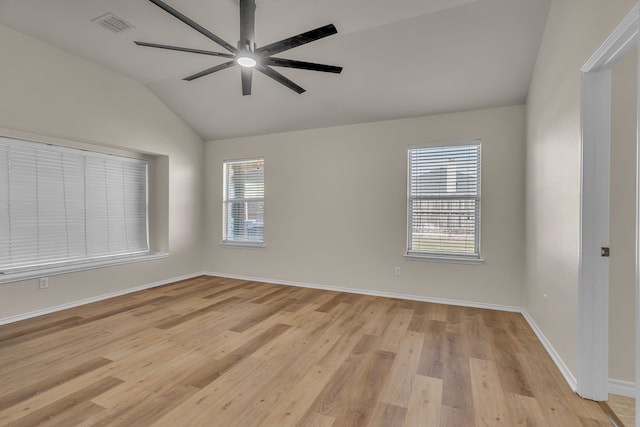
(370, 292)
(16, 318)
(566, 373)
(622, 388)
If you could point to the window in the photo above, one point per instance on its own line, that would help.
(243, 203)
(444, 201)
(63, 206)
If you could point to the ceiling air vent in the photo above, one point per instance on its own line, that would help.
(112, 23)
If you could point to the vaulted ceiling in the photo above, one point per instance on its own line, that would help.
(401, 58)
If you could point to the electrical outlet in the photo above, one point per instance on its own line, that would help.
(545, 302)
(396, 271)
(44, 283)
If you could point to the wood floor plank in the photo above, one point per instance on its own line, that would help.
(250, 417)
(212, 401)
(385, 415)
(210, 373)
(338, 298)
(477, 334)
(505, 354)
(213, 351)
(317, 420)
(260, 314)
(269, 386)
(378, 315)
(551, 396)
(363, 399)
(38, 329)
(144, 409)
(489, 399)
(397, 390)
(525, 411)
(334, 395)
(293, 372)
(425, 403)
(396, 330)
(292, 407)
(88, 340)
(29, 390)
(590, 422)
(456, 417)
(229, 341)
(194, 314)
(74, 416)
(61, 406)
(54, 394)
(456, 390)
(432, 356)
(621, 408)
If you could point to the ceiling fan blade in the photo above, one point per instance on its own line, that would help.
(210, 70)
(246, 74)
(185, 49)
(279, 78)
(199, 28)
(295, 41)
(291, 63)
(247, 24)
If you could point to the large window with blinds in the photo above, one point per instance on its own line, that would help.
(63, 206)
(444, 201)
(243, 202)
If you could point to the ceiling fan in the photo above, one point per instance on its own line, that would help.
(247, 54)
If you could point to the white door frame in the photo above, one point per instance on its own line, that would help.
(593, 282)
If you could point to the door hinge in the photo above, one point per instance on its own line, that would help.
(604, 252)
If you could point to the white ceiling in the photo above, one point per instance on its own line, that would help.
(401, 58)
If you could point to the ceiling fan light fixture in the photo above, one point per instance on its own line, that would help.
(246, 54)
(246, 61)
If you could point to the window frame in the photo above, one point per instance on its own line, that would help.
(464, 258)
(237, 242)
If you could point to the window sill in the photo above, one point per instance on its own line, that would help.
(79, 266)
(445, 259)
(243, 245)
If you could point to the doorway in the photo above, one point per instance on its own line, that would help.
(596, 191)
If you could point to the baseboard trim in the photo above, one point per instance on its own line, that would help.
(564, 370)
(487, 306)
(48, 310)
(622, 388)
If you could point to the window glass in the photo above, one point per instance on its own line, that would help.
(444, 200)
(243, 204)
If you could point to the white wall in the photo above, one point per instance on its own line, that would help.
(50, 93)
(575, 29)
(335, 210)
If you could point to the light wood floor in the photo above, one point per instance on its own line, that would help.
(624, 408)
(219, 352)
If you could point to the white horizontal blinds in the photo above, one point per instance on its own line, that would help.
(116, 206)
(444, 200)
(4, 203)
(243, 202)
(61, 205)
